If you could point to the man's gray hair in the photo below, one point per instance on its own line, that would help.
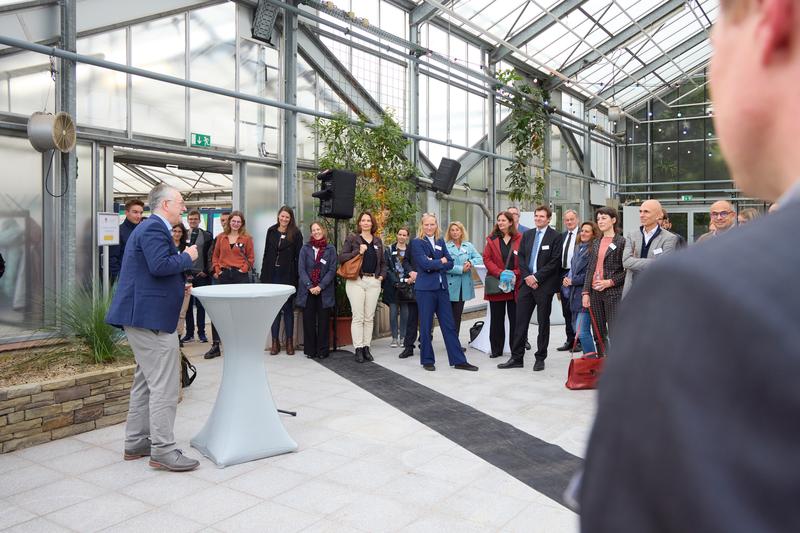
(568, 211)
(158, 194)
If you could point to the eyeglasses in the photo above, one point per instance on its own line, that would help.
(720, 214)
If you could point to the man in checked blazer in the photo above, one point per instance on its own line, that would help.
(649, 243)
(540, 269)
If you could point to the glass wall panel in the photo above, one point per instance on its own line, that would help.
(26, 83)
(22, 285)
(259, 76)
(306, 97)
(85, 210)
(101, 92)
(212, 60)
(262, 201)
(159, 108)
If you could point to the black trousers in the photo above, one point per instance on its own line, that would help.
(412, 325)
(497, 329)
(316, 326)
(567, 312)
(201, 311)
(227, 277)
(458, 310)
(529, 300)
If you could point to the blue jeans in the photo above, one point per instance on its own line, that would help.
(398, 310)
(583, 328)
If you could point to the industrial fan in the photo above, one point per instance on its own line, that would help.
(51, 132)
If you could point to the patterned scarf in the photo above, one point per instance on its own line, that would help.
(316, 272)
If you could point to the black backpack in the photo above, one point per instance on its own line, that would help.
(475, 330)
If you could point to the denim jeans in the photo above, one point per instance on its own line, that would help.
(398, 310)
(583, 328)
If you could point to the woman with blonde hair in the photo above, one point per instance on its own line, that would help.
(459, 278)
(432, 260)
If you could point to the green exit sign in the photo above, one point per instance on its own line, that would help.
(199, 139)
(686, 197)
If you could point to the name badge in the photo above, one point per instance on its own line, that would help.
(515, 252)
(394, 253)
(658, 251)
(546, 247)
(283, 236)
(323, 261)
(612, 246)
(437, 247)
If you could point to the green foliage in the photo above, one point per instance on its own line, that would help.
(527, 133)
(377, 156)
(82, 316)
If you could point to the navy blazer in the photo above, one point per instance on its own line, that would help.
(577, 273)
(431, 272)
(151, 283)
(548, 262)
(327, 275)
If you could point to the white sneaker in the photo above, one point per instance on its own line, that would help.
(400, 341)
(393, 344)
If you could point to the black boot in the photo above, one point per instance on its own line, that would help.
(408, 351)
(213, 352)
(359, 358)
(368, 354)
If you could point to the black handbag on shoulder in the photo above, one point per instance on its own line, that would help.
(252, 274)
(404, 291)
(188, 372)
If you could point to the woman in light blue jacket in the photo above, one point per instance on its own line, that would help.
(459, 279)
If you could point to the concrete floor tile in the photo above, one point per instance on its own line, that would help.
(54, 496)
(310, 461)
(370, 511)
(13, 461)
(212, 505)
(268, 517)
(163, 488)
(51, 450)
(156, 521)
(318, 496)
(362, 475)
(37, 525)
(267, 481)
(84, 460)
(11, 515)
(120, 474)
(484, 508)
(543, 518)
(98, 513)
(22, 479)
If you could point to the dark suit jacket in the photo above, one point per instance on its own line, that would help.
(612, 267)
(287, 251)
(150, 288)
(548, 262)
(327, 275)
(697, 424)
(431, 273)
(115, 253)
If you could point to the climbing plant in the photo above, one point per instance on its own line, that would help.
(527, 127)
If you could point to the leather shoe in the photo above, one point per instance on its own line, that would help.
(465, 366)
(359, 356)
(368, 354)
(187, 338)
(576, 348)
(174, 461)
(137, 452)
(429, 367)
(275, 348)
(527, 345)
(538, 365)
(213, 352)
(289, 347)
(408, 351)
(202, 337)
(495, 355)
(564, 347)
(511, 363)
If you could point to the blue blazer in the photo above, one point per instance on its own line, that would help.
(458, 281)
(577, 273)
(150, 288)
(428, 261)
(327, 275)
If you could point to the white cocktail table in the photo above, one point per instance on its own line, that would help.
(482, 341)
(244, 423)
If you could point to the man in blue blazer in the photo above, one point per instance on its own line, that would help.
(697, 419)
(146, 304)
(432, 261)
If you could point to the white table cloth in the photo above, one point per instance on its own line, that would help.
(244, 424)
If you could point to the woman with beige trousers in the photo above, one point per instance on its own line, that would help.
(364, 291)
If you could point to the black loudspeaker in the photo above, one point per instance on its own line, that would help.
(337, 194)
(445, 176)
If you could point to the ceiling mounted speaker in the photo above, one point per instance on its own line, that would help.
(614, 113)
(51, 132)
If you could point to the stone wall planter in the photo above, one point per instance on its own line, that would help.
(34, 413)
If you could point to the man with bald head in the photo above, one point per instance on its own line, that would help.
(646, 245)
(697, 410)
(723, 215)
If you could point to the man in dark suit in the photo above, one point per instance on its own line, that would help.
(539, 264)
(569, 238)
(146, 304)
(133, 216)
(696, 428)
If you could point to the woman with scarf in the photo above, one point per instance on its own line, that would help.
(316, 293)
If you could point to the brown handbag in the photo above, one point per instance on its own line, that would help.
(350, 269)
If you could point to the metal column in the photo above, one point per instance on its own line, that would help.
(413, 99)
(587, 167)
(69, 162)
(290, 116)
(491, 141)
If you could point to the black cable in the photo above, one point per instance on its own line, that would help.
(47, 176)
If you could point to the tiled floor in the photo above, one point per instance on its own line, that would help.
(363, 465)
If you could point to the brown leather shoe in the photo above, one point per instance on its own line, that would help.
(289, 347)
(276, 347)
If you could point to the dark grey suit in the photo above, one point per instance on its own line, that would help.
(699, 408)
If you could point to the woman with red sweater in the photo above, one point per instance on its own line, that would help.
(501, 249)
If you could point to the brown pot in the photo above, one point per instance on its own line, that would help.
(343, 334)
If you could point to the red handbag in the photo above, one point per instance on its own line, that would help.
(584, 371)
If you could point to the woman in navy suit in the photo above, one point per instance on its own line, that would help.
(573, 284)
(432, 261)
(315, 294)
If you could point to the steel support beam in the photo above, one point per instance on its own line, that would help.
(656, 16)
(69, 161)
(695, 40)
(535, 28)
(289, 163)
(422, 13)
